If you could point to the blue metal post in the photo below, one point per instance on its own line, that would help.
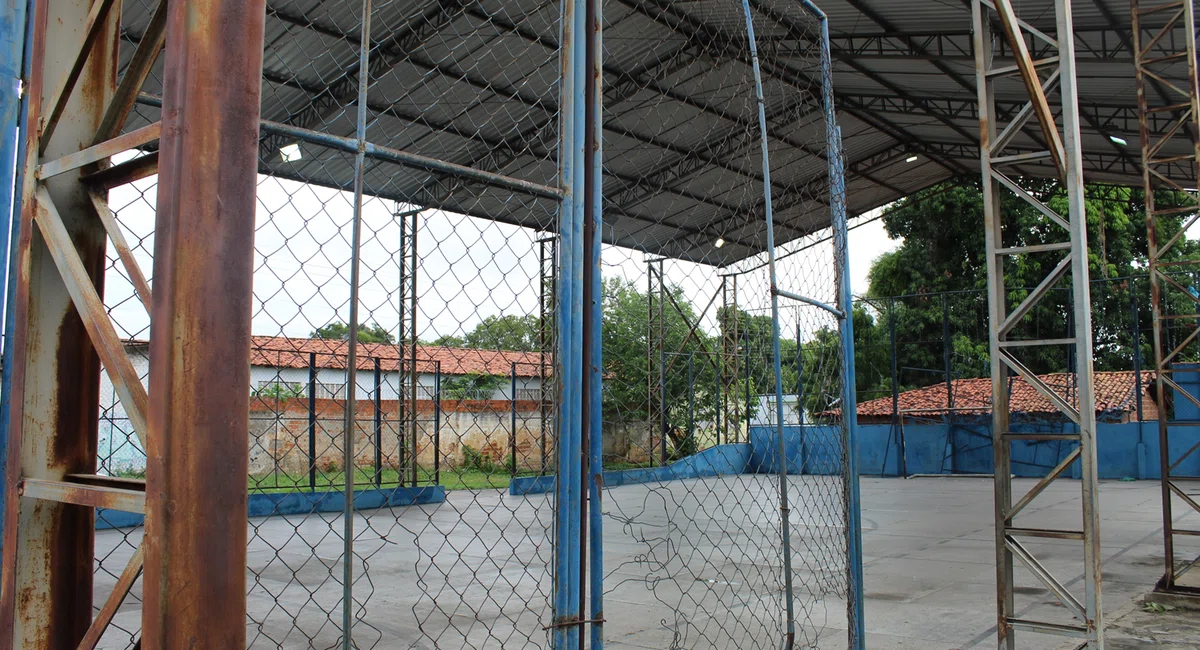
(777, 355)
(857, 630)
(854, 571)
(691, 409)
(569, 357)
(16, 43)
(12, 55)
(837, 201)
(512, 418)
(800, 397)
(437, 425)
(595, 316)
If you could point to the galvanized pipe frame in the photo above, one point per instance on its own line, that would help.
(1171, 37)
(582, 210)
(855, 613)
(1090, 630)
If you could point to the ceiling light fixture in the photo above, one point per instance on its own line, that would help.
(719, 243)
(290, 153)
(911, 159)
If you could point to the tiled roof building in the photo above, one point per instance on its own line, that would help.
(1116, 399)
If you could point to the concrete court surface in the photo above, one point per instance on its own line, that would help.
(1142, 628)
(704, 579)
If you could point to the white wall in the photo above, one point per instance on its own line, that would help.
(120, 450)
(331, 380)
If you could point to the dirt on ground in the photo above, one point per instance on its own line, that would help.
(1155, 622)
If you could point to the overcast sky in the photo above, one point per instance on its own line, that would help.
(469, 268)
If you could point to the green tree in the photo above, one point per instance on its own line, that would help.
(822, 371)
(511, 332)
(472, 385)
(338, 331)
(943, 251)
(627, 363)
(446, 341)
(279, 390)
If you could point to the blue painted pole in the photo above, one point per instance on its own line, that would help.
(595, 315)
(800, 398)
(857, 628)
(437, 424)
(12, 56)
(568, 359)
(575, 406)
(837, 200)
(854, 570)
(777, 355)
(16, 43)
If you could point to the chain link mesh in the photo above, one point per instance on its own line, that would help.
(455, 398)
(693, 498)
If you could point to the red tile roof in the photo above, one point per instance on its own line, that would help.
(284, 352)
(1115, 393)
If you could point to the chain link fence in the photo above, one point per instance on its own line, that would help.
(441, 246)
(909, 348)
(693, 490)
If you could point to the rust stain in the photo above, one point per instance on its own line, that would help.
(203, 266)
(71, 554)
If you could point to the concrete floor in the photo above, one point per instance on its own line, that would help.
(690, 564)
(1171, 625)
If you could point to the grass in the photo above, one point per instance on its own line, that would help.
(364, 478)
(458, 478)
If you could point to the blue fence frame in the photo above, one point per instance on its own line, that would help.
(581, 210)
(16, 44)
(844, 311)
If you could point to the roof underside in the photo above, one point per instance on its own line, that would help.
(475, 83)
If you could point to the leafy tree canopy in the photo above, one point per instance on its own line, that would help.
(338, 331)
(943, 251)
(509, 332)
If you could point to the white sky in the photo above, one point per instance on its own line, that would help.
(469, 268)
(867, 242)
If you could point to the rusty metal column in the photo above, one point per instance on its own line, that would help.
(1009, 334)
(195, 546)
(1164, 36)
(55, 375)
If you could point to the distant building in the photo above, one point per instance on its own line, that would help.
(1116, 400)
(476, 404)
(282, 362)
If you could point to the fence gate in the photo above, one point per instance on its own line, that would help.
(550, 335)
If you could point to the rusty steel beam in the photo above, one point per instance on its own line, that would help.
(107, 611)
(96, 22)
(90, 307)
(80, 494)
(1164, 34)
(1033, 85)
(1066, 150)
(123, 174)
(195, 566)
(148, 49)
(124, 252)
(99, 152)
(46, 591)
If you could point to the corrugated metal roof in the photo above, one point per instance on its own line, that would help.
(474, 82)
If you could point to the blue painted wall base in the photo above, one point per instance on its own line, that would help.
(301, 503)
(721, 460)
(1124, 450)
